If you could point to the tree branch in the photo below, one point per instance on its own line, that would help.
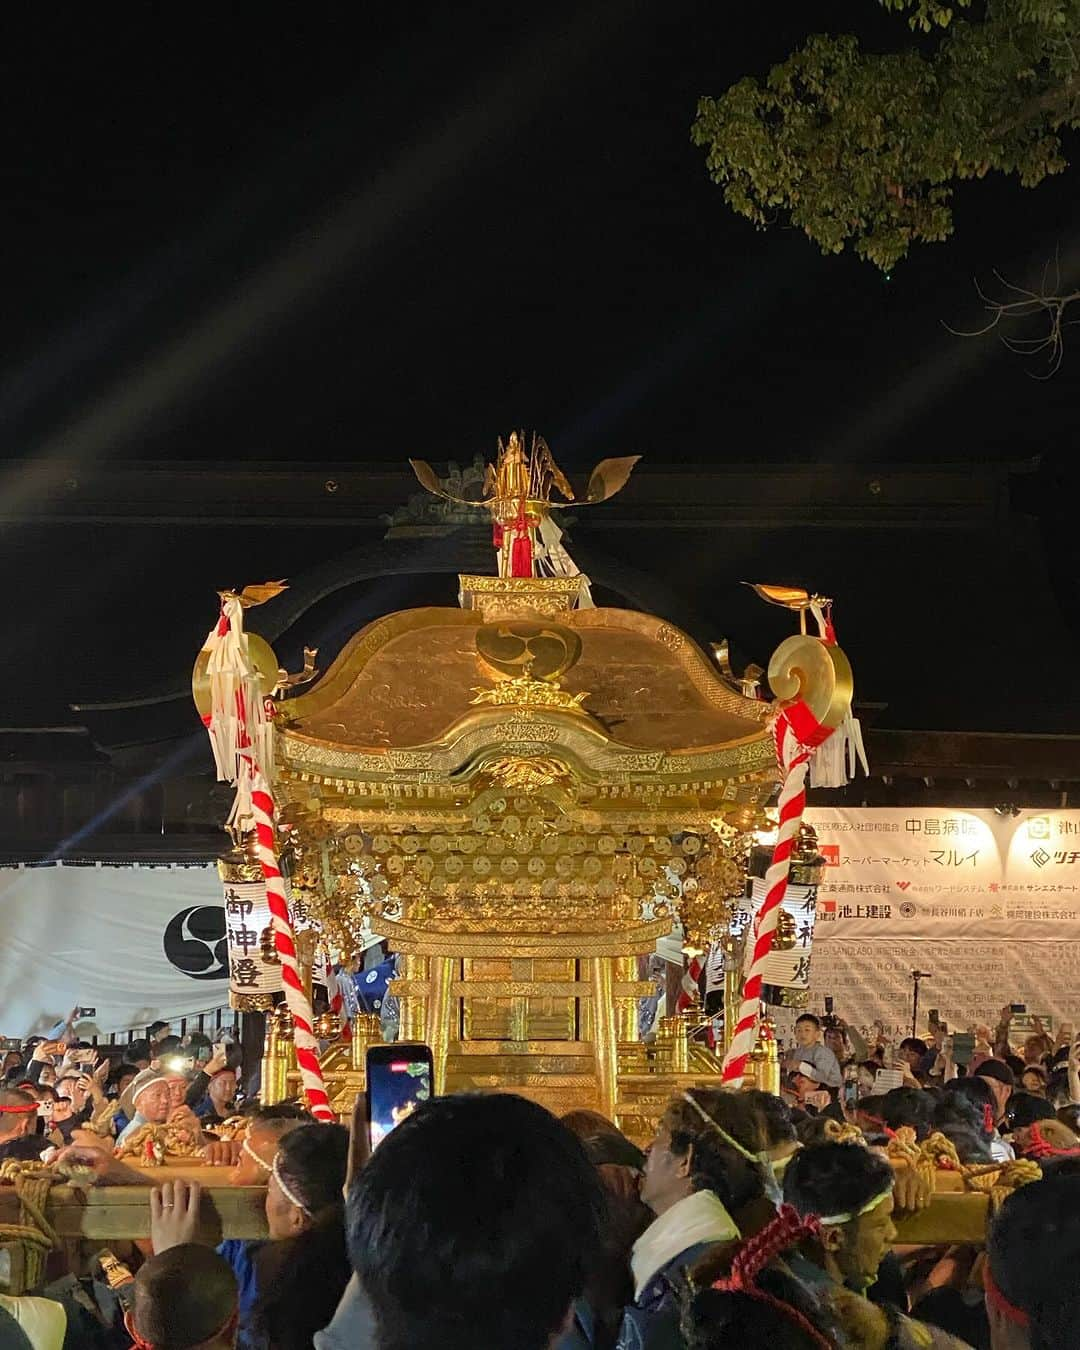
(1050, 341)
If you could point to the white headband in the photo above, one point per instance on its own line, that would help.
(835, 1219)
(149, 1082)
(727, 1138)
(245, 1147)
(286, 1191)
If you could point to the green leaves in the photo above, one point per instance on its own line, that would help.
(862, 150)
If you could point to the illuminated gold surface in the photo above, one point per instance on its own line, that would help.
(816, 672)
(521, 858)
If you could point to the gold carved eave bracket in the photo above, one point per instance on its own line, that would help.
(489, 734)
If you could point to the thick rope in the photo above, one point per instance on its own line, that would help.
(34, 1233)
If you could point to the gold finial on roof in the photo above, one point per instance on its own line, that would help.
(518, 491)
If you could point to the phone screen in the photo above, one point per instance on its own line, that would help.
(399, 1078)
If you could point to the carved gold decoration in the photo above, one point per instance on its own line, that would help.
(537, 650)
(516, 771)
(496, 598)
(525, 693)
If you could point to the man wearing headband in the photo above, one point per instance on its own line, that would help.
(849, 1188)
(701, 1174)
(1033, 1252)
(18, 1125)
(149, 1099)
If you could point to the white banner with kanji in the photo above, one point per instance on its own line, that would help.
(967, 981)
(908, 874)
(987, 904)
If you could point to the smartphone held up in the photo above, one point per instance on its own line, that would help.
(399, 1078)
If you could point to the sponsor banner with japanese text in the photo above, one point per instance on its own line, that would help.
(967, 981)
(916, 874)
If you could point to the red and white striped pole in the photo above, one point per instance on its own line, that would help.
(815, 671)
(296, 999)
(241, 737)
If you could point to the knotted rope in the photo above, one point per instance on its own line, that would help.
(34, 1233)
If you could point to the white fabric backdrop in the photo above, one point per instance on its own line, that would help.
(94, 937)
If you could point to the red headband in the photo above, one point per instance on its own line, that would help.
(1000, 1303)
(754, 1255)
(19, 1110)
(1040, 1147)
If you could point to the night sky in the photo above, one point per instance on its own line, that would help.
(334, 237)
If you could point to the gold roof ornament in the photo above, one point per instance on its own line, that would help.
(519, 490)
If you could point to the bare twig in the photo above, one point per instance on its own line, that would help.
(1050, 305)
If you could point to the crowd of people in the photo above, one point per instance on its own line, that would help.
(751, 1220)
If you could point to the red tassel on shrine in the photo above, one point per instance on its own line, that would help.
(496, 536)
(521, 559)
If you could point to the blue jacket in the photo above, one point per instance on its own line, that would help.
(651, 1322)
(241, 1256)
(581, 1335)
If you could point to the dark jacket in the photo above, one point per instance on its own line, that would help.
(651, 1322)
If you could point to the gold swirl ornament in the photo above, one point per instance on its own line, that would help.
(817, 673)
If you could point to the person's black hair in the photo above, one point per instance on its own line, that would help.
(835, 1178)
(1057, 1088)
(1052, 1168)
(713, 1319)
(198, 1044)
(168, 1045)
(1016, 1064)
(183, 1296)
(14, 1075)
(279, 1111)
(137, 1050)
(809, 1017)
(156, 1026)
(914, 1043)
(775, 1115)
(871, 1106)
(474, 1224)
(1025, 1108)
(977, 1091)
(815, 1130)
(1034, 1250)
(1069, 1116)
(714, 1165)
(956, 1108)
(301, 1279)
(908, 1106)
(798, 1115)
(971, 1147)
